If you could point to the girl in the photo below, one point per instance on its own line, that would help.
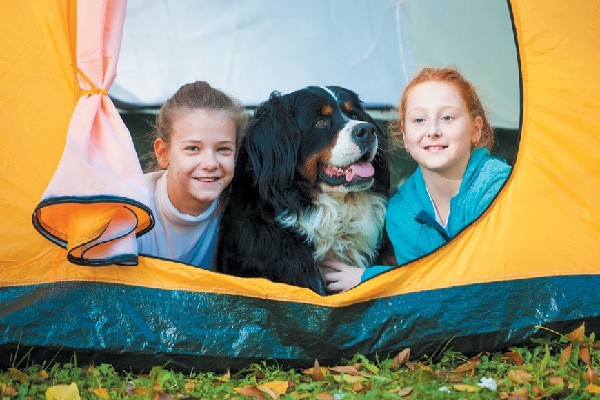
(443, 126)
(198, 132)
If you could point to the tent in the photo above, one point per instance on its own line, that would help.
(72, 201)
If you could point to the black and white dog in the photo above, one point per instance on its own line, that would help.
(311, 183)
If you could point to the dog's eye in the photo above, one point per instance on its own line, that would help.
(320, 122)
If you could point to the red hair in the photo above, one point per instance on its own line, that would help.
(467, 92)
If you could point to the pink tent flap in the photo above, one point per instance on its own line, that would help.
(95, 204)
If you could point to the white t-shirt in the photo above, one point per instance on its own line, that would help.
(177, 236)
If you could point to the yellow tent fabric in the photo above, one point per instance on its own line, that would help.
(544, 224)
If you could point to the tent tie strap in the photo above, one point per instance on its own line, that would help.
(94, 89)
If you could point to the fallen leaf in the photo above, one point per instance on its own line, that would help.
(324, 396)
(557, 380)
(584, 355)
(520, 394)
(405, 392)
(591, 376)
(565, 355)
(513, 357)
(349, 370)
(225, 377)
(349, 378)
(461, 387)
(520, 376)
(591, 388)
(280, 387)
(578, 335)
(100, 392)
(250, 391)
(401, 358)
(63, 392)
(468, 366)
(317, 373)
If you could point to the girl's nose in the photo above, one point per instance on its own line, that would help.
(208, 160)
(433, 129)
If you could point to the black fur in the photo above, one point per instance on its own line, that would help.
(271, 178)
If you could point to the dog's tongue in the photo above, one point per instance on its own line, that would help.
(362, 169)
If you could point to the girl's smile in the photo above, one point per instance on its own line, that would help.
(199, 159)
(439, 132)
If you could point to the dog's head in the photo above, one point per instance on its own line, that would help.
(317, 139)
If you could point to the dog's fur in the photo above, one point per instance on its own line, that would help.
(295, 201)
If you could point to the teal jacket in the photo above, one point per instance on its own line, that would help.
(410, 216)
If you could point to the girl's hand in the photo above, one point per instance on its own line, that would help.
(339, 276)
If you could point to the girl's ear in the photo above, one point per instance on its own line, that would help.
(476, 133)
(161, 151)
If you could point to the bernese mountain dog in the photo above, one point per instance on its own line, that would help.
(311, 183)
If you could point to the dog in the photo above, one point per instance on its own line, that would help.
(311, 183)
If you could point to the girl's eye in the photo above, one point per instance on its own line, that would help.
(447, 118)
(320, 123)
(191, 148)
(419, 120)
(225, 150)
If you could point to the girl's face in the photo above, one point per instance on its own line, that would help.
(200, 158)
(439, 133)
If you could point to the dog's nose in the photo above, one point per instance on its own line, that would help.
(364, 132)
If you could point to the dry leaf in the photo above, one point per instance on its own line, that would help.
(250, 391)
(401, 358)
(468, 366)
(324, 396)
(520, 394)
(557, 380)
(63, 392)
(591, 376)
(225, 377)
(584, 355)
(280, 387)
(520, 376)
(461, 387)
(578, 335)
(565, 355)
(100, 392)
(591, 388)
(513, 357)
(349, 370)
(317, 373)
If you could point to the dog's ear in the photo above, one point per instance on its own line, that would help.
(272, 142)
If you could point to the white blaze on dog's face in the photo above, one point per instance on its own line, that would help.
(347, 142)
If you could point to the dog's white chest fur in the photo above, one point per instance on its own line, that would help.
(346, 228)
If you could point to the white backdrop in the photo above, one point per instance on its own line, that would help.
(250, 48)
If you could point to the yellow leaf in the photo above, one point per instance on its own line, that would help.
(461, 387)
(225, 377)
(592, 388)
(44, 374)
(63, 392)
(100, 392)
(278, 386)
(349, 378)
(578, 335)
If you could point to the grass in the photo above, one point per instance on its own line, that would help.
(556, 366)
